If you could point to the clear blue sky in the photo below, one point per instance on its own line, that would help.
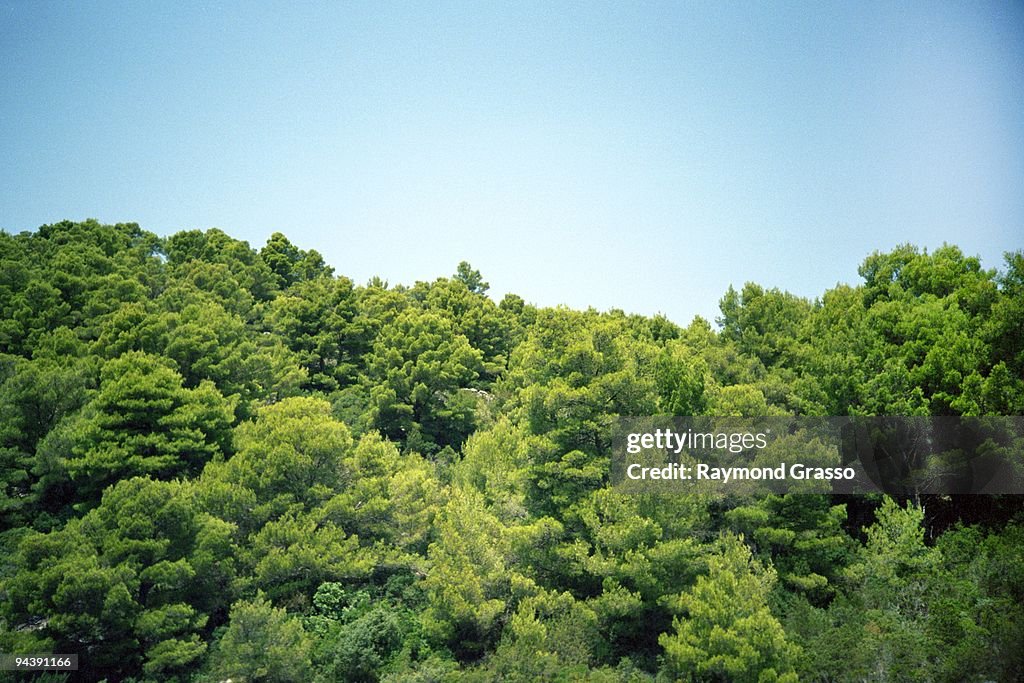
(633, 155)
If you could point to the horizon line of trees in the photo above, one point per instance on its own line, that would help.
(225, 462)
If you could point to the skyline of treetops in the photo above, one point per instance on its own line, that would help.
(220, 460)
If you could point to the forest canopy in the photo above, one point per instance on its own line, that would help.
(221, 461)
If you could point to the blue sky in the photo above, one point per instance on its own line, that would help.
(641, 156)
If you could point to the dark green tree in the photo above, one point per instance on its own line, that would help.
(142, 421)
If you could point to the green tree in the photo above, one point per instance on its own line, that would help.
(118, 585)
(680, 377)
(291, 264)
(416, 369)
(216, 247)
(470, 277)
(317, 320)
(551, 637)
(487, 327)
(294, 452)
(211, 343)
(764, 323)
(143, 421)
(726, 630)
(362, 647)
(496, 463)
(387, 497)
(263, 644)
(470, 585)
(33, 399)
(892, 580)
(290, 556)
(802, 536)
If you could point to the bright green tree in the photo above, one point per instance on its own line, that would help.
(262, 644)
(725, 629)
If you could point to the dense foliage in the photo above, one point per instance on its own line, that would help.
(221, 462)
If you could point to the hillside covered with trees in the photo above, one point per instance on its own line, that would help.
(221, 461)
